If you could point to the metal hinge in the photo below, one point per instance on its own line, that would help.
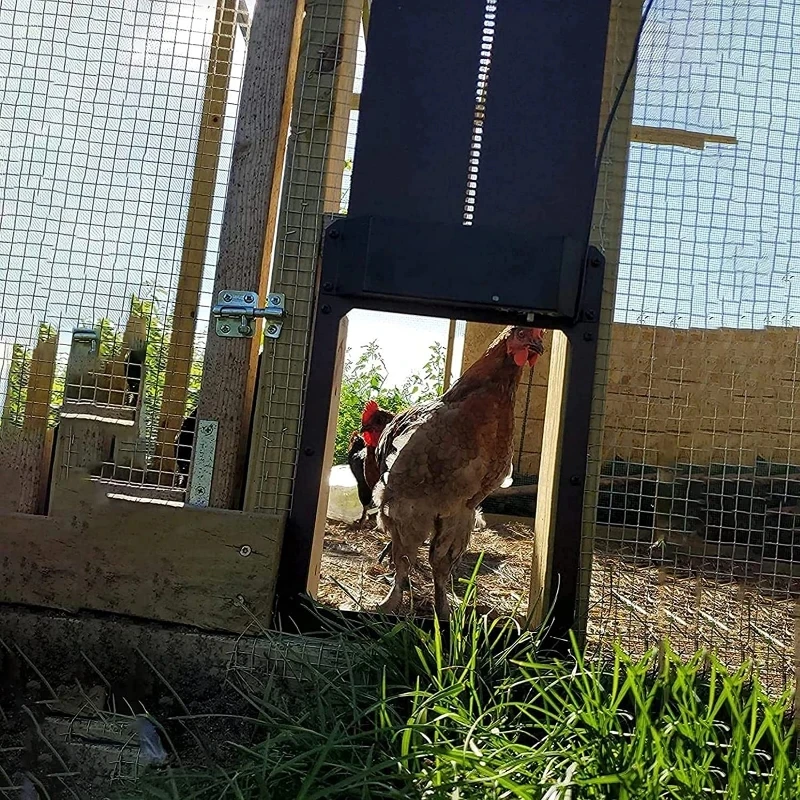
(235, 311)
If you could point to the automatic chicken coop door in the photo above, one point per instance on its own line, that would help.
(471, 198)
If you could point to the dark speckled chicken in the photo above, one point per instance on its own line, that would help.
(440, 459)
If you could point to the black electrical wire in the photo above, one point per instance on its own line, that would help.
(613, 113)
(621, 91)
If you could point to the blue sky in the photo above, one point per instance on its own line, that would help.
(709, 235)
(99, 107)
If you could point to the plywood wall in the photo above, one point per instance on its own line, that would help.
(681, 396)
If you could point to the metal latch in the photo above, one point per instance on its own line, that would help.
(88, 336)
(235, 311)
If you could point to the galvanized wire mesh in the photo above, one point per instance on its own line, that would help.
(691, 525)
(320, 145)
(116, 129)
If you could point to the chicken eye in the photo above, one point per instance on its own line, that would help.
(520, 334)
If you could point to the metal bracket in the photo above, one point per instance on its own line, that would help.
(235, 310)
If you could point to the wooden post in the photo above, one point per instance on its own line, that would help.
(315, 164)
(606, 233)
(195, 240)
(448, 358)
(33, 467)
(40, 381)
(248, 232)
(134, 339)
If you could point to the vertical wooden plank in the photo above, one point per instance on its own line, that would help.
(549, 467)
(33, 467)
(315, 162)
(448, 358)
(195, 240)
(40, 381)
(248, 231)
(134, 339)
(606, 233)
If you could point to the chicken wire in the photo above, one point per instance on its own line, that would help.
(693, 518)
(102, 127)
(316, 182)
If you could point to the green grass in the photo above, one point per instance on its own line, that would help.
(481, 713)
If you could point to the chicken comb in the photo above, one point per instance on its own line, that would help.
(370, 409)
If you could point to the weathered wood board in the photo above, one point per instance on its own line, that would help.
(165, 561)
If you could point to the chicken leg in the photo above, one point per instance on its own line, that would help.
(408, 534)
(449, 543)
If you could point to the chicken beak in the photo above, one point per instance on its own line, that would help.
(535, 349)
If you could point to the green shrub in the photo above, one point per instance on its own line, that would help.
(365, 379)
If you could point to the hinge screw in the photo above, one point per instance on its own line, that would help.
(227, 298)
(226, 328)
(248, 298)
(272, 329)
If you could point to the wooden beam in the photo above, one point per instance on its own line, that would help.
(248, 232)
(315, 164)
(540, 597)
(195, 240)
(162, 561)
(675, 137)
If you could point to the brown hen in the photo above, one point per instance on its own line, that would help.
(440, 459)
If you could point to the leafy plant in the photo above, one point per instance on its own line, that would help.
(365, 379)
(17, 386)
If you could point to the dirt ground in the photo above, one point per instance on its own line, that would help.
(352, 578)
(637, 595)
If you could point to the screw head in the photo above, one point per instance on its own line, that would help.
(248, 298)
(334, 234)
(275, 300)
(227, 297)
(245, 550)
(326, 309)
(596, 261)
(226, 328)
(272, 329)
(574, 480)
(309, 451)
(590, 315)
(495, 298)
(587, 337)
(327, 286)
